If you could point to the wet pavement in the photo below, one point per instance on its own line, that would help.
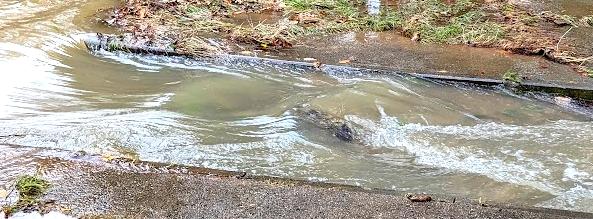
(89, 187)
(391, 51)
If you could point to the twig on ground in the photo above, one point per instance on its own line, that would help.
(562, 37)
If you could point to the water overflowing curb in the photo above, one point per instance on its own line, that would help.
(96, 42)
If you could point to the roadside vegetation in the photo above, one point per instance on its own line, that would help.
(30, 189)
(512, 76)
(184, 24)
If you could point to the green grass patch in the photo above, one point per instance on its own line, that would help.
(588, 71)
(347, 8)
(30, 189)
(387, 20)
(31, 186)
(512, 76)
(459, 23)
(308, 5)
(197, 11)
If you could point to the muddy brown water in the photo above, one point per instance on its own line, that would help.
(577, 8)
(421, 136)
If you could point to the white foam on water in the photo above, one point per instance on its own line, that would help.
(533, 170)
(37, 215)
(279, 154)
(102, 131)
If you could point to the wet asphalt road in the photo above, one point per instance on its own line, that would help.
(147, 191)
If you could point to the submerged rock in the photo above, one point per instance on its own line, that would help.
(344, 133)
(340, 127)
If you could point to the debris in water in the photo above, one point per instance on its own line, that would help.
(247, 53)
(317, 65)
(338, 126)
(483, 204)
(3, 193)
(241, 175)
(563, 101)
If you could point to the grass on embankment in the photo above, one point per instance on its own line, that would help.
(429, 21)
(497, 23)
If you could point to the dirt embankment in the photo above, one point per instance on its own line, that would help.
(189, 26)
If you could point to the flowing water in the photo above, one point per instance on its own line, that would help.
(420, 136)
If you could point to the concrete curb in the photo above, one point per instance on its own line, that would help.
(97, 41)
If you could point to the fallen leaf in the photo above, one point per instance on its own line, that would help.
(345, 61)
(142, 12)
(108, 157)
(317, 64)
(3, 193)
(416, 37)
(65, 209)
(246, 53)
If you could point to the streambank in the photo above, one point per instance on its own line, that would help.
(204, 27)
(89, 186)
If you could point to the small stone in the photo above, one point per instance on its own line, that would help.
(561, 22)
(419, 198)
(345, 61)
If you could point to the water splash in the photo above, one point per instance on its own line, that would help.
(524, 155)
